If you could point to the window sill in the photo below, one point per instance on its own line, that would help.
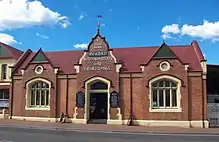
(37, 108)
(165, 110)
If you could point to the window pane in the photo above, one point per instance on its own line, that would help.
(161, 99)
(1, 95)
(4, 71)
(47, 97)
(167, 83)
(174, 98)
(99, 85)
(154, 84)
(39, 94)
(32, 97)
(161, 83)
(173, 84)
(167, 95)
(154, 99)
(45, 85)
(34, 86)
(37, 97)
(6, 95)
(4, 75)
(43, 97)
(39, 84)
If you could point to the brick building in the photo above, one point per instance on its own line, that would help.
(152, 86)
(8, 57)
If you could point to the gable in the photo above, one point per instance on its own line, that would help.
(164, 52)
(40, 57)
(98, 43)
(4, 52)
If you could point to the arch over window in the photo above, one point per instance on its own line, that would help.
(165, 92)
(38, 93)
(97, 83)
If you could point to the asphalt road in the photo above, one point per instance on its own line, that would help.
(10, 134)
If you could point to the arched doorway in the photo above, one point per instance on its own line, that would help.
(97, 98)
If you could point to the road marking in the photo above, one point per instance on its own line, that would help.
(158, 133)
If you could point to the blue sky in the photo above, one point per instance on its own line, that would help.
(67, 24)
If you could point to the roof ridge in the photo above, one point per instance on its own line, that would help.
(129, 47)
(61, 51)
(21, 58)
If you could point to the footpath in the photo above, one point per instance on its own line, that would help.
(104, 127)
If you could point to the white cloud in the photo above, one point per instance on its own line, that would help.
(8, 39)
(82, 15)
(205, 31)
(174, 28)
(24, 13)
(166, 36)
(82, 45)
(42, 36)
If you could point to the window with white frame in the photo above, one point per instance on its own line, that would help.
(164, 94)
(4, 98)
(4, 71)
(39, 94)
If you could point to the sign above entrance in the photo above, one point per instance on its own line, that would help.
(114, 99)
(80, 100)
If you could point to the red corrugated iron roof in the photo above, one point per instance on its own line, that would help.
(132, 57)
(15, 53)
(65, 60)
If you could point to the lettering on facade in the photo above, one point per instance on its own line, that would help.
(97, 68)
(95, 61)
(98, 45)
(98, 54)
(98, 58)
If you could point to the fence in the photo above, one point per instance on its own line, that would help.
(213, 114)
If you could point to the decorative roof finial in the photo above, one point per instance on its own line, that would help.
(99, 23)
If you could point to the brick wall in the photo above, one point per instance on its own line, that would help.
(191, 92)
(19, 92)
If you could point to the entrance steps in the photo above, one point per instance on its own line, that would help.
(98, 121)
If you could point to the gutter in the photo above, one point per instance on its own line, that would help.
(56, 104)
(203, 103)
(67, 82)
(131, 103)
(12, 94)
(189, 100)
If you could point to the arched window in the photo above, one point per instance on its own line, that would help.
(164, 94)
(39, 94)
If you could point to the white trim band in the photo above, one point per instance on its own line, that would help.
(149, 123)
